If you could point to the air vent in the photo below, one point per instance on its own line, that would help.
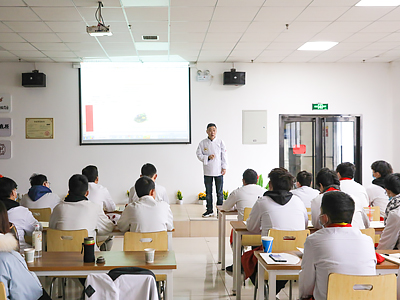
(150, 37)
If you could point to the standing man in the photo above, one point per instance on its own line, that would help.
(212, 152)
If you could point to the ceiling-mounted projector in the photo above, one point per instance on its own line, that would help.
(99, 30)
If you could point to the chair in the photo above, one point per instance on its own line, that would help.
(352, 287)
(309, 213)
(373, 213)
(250, 240)
(3, 294)
(370, 232)
(41, 214)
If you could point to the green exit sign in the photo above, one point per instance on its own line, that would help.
(320, 106)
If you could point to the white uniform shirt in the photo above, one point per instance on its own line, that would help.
(355, 189)
(343, 250)
(306, 194)
(47, 200)
(208, 147)
(146, 215)
(267, 214)
(100, 195)
(378, 197)
(24, 222)
(360, 218)
(390, 238)
(243, 197)
(81, 215)
(161, 194)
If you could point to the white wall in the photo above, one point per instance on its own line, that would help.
(279, 88)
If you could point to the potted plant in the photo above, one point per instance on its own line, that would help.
(179, 197)
(226, 194)
(202, 198)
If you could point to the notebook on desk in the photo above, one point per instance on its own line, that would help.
(290, 259)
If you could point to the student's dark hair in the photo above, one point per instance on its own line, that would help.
(304, 178)
(392, 183)
(148, 170)
(327, 177)
(382, 167)
(78, 185)
(211, 125)
(339, 206)
(281, 179)
(91, 173)
(7, 185)
(144, 185)
(4, 222)
(37, 179)
(346, 170)
(250, 176)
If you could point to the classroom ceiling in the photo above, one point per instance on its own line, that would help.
(198, 31)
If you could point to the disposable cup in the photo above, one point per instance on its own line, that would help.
(149, 253)
(29, 255)
(267, 243)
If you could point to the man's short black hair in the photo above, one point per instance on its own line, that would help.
(392, 183)
(211, 125)
(382, 167)
(144, 185)
(78, 185)
(304, 178)
(37, 179)
(346, 170)
(327, 177)
(148, 170)
(281, 179)
(339, 206)
(91, 173)
(7, 185)
(250, 176)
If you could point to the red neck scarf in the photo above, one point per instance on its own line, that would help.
(345, 178)
(339, 225)
(331, 189)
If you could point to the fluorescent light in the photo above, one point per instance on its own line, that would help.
(317, 46)
(378, 3)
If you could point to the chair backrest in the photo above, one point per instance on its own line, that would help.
(3, 295)
(246, 214)
(138, 241)
(250, 240)
(285, 240)
(65, 240)
(373, 213)
(41, 214)
(309, 213)
(370, 232)
(352, 287)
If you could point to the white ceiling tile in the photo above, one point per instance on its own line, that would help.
(187, 37)
(290, 59)
(128, 3)
(185, 46)
(152, 52)
(23, 54)
(11, 38)
(67, 26)
(124, 58)
(344, 26)
(149, 27)
(246, 53)
(60, 53)
(349, 46)
(364, 13)
(393, 52)
(83, 46)
(118, 26)
(51, 46)
(41, 37)
(4, 28)
(91, 53)
(28, 26)
(109, 14)
(57, 13)
(393, 15)
(155, 14)
(121, 52)
(216, 58)
(117, 37)
(216, 26)
(294, 37)
(258, 37)
(269, 59)
(241, 58)
(116, 46)
(299, 3)
(49, 2)
(275, 53)
(300, 27)
(17, 46)
(12, 3)
(393, 37)
(188, 3)
(185, 53)
(278, 14)
(6, 54)
(76, 37)
(67, 59)
(192, 14)
(284, 46)
(17, 14)
(37, 59)
(87, 3)
(365, 54)
(211, 53)
(240, 14)
(235, 3)
(347, 3)
(322, 14)
(213, 37)
(382, 46)
(251, 45)
(320, 59)
(186, 26)
(153, 46)
(265, 27)
(382, 26)
(366, 37)
(331, 36)
(218, 46)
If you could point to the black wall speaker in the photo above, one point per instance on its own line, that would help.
(34, 79)
(234, 78)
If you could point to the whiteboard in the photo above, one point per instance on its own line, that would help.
(254, 127)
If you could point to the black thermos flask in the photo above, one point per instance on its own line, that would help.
(88, 249)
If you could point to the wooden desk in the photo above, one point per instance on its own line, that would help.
(273, 270)
(71, 264)
(221, 233)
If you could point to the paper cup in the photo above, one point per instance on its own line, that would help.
(149, 253)
(267, 243)
(29, 255)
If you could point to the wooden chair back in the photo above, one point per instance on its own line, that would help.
(3, 295)
(65, 240)
(250, 240)
(41, 214)
(138, 241)
(370, 232)
(351, 287)
(288, 240)
(373, 213)
(309, 213)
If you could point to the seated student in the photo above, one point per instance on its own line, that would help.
(20, 216)
(40, 194)
(303, 189)
(98, 193)
(376, 191)
(337, 248)
(18, 281)
(76, 212)
(150, 171)
(345, 172)
(328, 180)
(390, 238)
(246, 195)
(146, 214)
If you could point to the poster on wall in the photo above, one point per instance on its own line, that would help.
(5, 126)
(5, 103)
(5, 149)
(39, 128)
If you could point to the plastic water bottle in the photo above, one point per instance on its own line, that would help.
(37, 241)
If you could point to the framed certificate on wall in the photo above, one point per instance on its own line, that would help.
(39, 128)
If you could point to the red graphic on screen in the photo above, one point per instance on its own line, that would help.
(89, 118)
(299, 149)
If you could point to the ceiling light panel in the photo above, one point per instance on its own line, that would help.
(317, 46)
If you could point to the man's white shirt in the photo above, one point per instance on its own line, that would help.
(24, 222)
(100, 195)
(47, 200)
(161, 194)
(378, 197)
(306, 194)
(355, 189)
(215, 147)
